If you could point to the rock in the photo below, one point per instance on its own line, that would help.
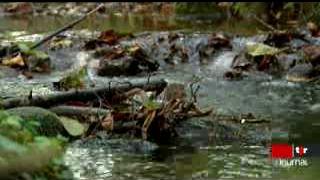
(312, 54)
(201, 132)
(50, 124)
(302, 73)
(7, 72)
(288, 61)
(118, 145)
(241, 62)
(233, 75)
(315, 108)
(123, 66)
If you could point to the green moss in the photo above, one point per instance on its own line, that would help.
(74, 79)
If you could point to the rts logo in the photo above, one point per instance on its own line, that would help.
(287, 151)
(301, 150)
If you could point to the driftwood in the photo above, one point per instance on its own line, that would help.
(81, 95)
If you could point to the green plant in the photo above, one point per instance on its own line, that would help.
(22, 149)
(74, 79)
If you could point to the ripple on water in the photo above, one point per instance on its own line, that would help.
(101, 162)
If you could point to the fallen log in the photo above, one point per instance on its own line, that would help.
(81, 95)
(78, 111)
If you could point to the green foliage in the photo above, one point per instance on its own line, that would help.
(15, 128)
(75, 79)
(22, 147)
(311, 12)
(151, 104)
(7, 147)
(25, 49)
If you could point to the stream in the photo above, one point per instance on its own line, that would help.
(292, 107)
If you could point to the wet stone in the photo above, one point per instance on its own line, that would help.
(118, 145)
(118, 67)
(7, 72)
(301, 73)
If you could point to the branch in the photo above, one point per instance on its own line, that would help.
(265, 24)
(82, 95)
(61, 29)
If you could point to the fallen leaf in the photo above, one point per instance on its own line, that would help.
(134, 48)
(117, 53)
(107, 122)
(72, 126)
(15, 61)
(259, 49)
(110, 37)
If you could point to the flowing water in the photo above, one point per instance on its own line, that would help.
(292, 107)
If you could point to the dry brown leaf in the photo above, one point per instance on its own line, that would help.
(110, 37)
(134, 48)
(107, 122)
(15, 61)
(117, 53)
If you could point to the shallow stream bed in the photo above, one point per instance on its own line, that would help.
(292, 108)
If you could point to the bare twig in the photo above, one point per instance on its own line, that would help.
(264, 23)
(60, 30)
(66, 27)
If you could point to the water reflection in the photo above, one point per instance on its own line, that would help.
(130, 23)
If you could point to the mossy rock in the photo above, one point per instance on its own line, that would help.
(50, 124)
